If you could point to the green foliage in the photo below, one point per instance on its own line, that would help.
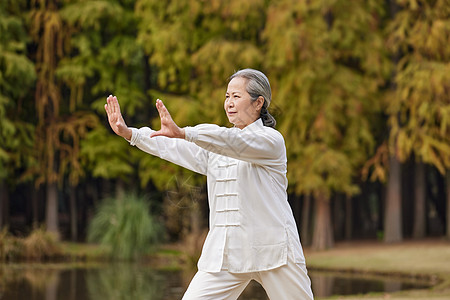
(106, 53)
(326, 70)
(105, 155)
(17, 77)
(193, 47)
(419, 108)
(126, 226)
(105, 59)
(191, 43)
(16, 69)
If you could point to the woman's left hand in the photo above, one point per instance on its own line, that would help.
(168, 126)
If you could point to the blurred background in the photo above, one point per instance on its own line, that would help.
(361, 93)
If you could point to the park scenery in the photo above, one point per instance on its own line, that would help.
(361, 95)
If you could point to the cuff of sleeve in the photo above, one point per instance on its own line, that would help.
(190, 134)
(134, 136)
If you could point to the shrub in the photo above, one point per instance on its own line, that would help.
(126, 226)
(11, 248)
(41, 244)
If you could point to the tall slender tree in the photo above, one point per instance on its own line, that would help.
(419, 106)
(17, 76)
(106, 59)
(327, 62)
(59, 124)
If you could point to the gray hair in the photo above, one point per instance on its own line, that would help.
(258, 85)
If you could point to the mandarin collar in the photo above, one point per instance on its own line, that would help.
(253, 126)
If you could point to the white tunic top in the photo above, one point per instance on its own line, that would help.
(252, 227)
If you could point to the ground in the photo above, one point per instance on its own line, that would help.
(425, 259)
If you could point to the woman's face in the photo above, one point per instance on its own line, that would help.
(241, 110)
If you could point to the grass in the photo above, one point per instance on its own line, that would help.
(427, 260)
(165, 258)
(87, 252)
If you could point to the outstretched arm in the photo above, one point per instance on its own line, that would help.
(177, 151)
(168, 126)
(115, 118)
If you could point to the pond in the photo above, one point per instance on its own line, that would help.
(133, 281)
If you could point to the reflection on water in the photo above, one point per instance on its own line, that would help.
(326, 284)
(132, 281)
(116, 281)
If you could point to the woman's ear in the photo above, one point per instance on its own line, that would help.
(259, 103)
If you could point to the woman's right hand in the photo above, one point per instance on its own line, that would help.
(115, 118)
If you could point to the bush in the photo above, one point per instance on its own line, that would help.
(41, 244)
(11, 248)
(126, 226)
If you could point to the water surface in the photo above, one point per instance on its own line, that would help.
(134, 281)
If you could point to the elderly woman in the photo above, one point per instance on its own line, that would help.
(253, 235)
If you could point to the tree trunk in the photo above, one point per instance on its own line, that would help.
(323, 232)
(393, 210)
(447, 187)
(295, 203)
(2, 201)
(35, 208)
(51, 216)
(348, 217)
(2, 210)
(73, 214)
(419, 226)
(4, 204)
(304, 231)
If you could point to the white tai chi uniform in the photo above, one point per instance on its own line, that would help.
(252, 233)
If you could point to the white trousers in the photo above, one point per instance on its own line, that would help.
(288, 282)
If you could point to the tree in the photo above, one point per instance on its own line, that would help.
(418, 108)
(17, 76)
(106, 59)
(194, 46)
(59, 127)
(326, 70)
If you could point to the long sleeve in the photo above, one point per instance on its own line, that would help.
(177, 151)
(254, 143)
